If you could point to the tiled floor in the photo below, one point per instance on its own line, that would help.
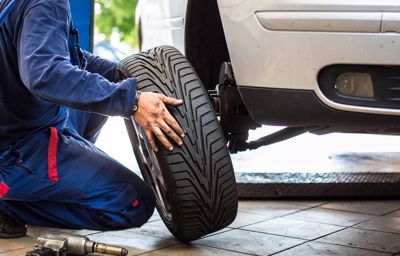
(282, 228)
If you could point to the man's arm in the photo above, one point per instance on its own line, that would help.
(100, 66)
(43, 59)
(44, 66)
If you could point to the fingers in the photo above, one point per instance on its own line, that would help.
(152, 142)
(167, 130)
(171, 101)
(160, 135)
(156, 120)
(170, 120)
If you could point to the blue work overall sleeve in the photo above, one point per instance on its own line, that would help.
(51, 110)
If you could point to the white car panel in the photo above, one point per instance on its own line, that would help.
(321, 21)
(292, 59)
(164, 23)
(390, 22)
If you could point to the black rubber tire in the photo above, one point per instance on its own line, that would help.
(199, 178)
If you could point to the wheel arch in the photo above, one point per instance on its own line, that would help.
(205, 43)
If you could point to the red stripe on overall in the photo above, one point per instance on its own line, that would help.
(52, 155)
(3, 189)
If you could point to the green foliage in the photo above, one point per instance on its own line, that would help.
(120, 15)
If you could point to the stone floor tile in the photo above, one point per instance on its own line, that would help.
(385, 223)
(37, 231)
(192, 250)
(316, 248)
(135, 243)
(156, 228)
(249, 242)
(333, 217)
(244, 219)
(365, 239)
(294, 228)
(219, 232)
(309, 203)
(19, 252)
(270, 208)
(7, 245)
(376, 207)
(154, 217)
(394, 214)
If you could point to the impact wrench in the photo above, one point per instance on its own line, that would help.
(65, 244)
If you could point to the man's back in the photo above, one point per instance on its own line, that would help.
(20, 111)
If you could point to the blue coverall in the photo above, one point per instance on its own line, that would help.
(51, 112)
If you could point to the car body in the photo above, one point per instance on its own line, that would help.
(322, 66)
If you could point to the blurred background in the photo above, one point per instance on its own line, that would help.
(115, 37)
(115, 34)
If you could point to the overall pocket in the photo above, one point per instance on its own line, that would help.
(35, 174)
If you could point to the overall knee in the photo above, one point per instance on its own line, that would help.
(147, 203)
(141, 208)
(128, 207)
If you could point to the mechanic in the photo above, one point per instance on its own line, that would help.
(54, 99)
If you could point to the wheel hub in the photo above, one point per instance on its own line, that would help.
(151, 171)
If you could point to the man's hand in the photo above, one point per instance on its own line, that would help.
(153, 116)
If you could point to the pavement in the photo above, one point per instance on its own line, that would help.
(283, 228)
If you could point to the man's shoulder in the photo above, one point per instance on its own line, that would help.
(30, 2)
(51, 3)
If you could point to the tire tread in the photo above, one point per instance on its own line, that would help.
(202, 182)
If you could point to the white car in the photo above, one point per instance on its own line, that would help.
(326, 65)
(312, 66)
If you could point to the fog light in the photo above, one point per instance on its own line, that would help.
(358, 85)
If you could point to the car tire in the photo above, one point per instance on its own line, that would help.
(194, 184)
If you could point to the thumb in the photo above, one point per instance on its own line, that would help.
(171, 101)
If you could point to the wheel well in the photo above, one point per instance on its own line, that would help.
(205, 43)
